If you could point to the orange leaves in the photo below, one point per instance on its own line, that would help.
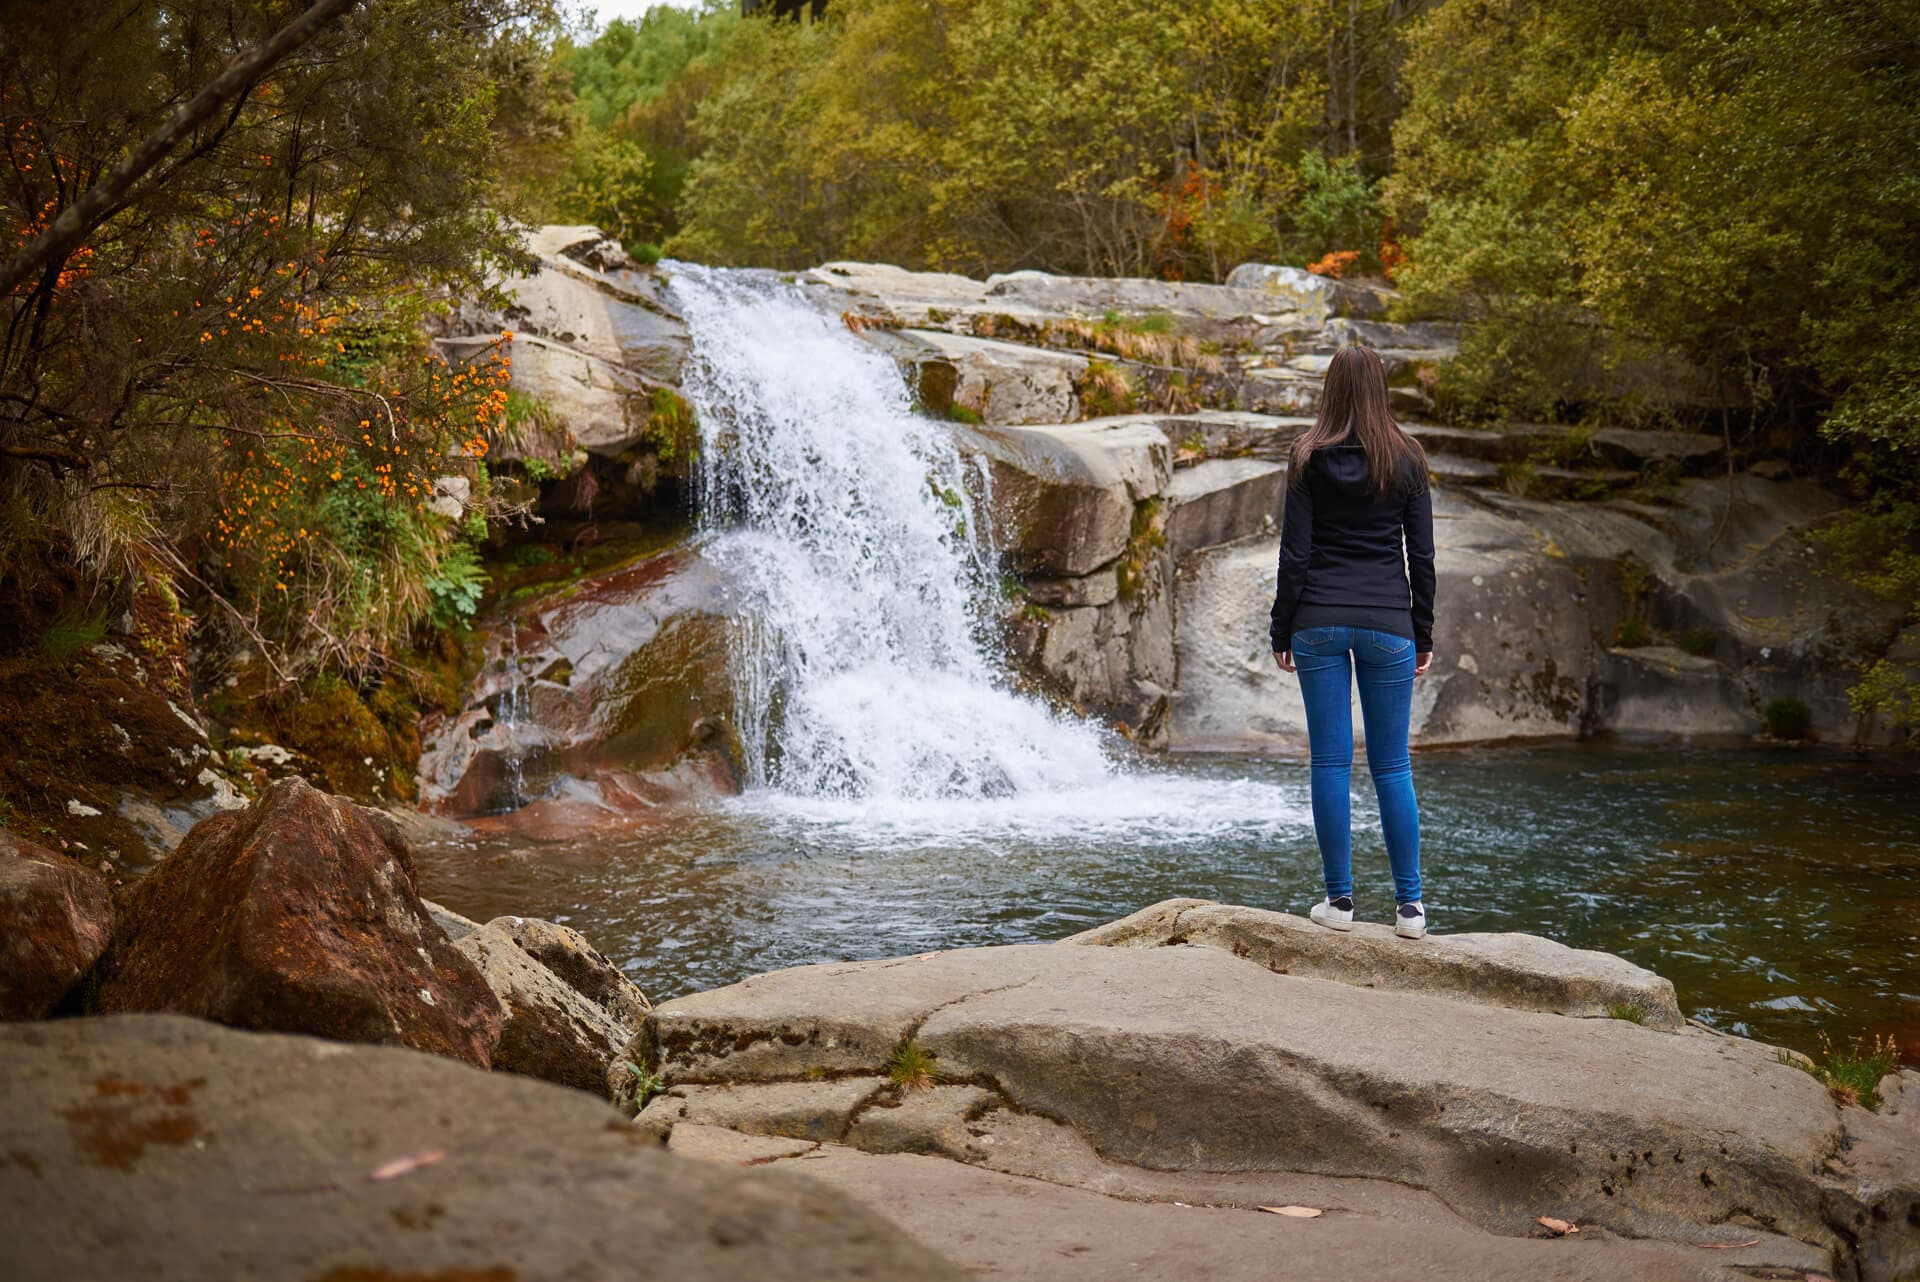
(1335, 263)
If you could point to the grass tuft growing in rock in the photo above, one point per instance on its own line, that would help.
(1628, 1011)
(639, 1087)
(1852, 1074)
(911, 1067)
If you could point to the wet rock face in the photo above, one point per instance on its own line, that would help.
(226, 1154)
(614, 681)
(55, 917)
(299, 914)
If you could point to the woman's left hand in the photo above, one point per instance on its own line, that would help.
(1285, 659)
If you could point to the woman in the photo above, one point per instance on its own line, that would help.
(1358, 524)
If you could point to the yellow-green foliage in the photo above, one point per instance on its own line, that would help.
(1597, 178)
(1133, 138)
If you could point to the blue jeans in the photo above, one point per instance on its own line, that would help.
(1329, 659)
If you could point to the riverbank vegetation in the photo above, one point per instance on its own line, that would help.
(218, 407)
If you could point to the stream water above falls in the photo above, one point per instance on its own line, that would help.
(903, 796)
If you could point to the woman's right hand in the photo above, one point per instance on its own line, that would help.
(1421, 662)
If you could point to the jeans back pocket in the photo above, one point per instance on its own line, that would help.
(1313, 637)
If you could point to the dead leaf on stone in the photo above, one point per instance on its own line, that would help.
(1731, 1246)
(403, 1165)
(1818, 1277)
(1297, 1212)
(1559, 1228)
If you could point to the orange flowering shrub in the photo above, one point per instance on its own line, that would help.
(350, 531)
(1335, 263)
(229, 383)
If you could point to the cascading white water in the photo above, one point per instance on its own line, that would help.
(514, 713)
(865, 670)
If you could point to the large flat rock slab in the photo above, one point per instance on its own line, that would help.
(160, 1147)
(1523, 972)
(1184, 1058)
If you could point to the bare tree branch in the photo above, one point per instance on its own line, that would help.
(77, 221)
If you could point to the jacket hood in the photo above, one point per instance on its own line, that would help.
(1345, 465)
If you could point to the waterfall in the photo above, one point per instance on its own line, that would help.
(513, 714)
(867, 668)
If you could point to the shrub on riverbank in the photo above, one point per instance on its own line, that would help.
(224, 390)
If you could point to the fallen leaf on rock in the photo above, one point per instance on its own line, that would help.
(1730, 1246)
(1818, 1277)
(1559, 1228)
(1297, 1212)
(402, 1165)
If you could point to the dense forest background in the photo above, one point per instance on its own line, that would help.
(218, 410)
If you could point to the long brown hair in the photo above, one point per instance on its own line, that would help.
(1353, 407)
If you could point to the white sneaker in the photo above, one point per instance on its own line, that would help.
(1410, 920)
(1330, 913)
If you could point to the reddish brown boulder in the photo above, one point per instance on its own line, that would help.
(299, 914)
(55, 917)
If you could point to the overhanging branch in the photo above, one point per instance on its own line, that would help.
(77, 221)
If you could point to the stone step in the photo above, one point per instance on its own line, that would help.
(1210, 434)
(1220, 500)
(1065, 495)
(1469, 442)
(1691, 453)
(1571, 482)
(1457, 469)
(988, 380)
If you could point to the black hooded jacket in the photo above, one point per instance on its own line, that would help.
(1346, 554)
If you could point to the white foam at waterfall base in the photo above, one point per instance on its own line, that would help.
(1141, 809)
(844, 517)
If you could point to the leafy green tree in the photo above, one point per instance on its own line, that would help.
(236, 352)
(1731, 180)
(1143, 137)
